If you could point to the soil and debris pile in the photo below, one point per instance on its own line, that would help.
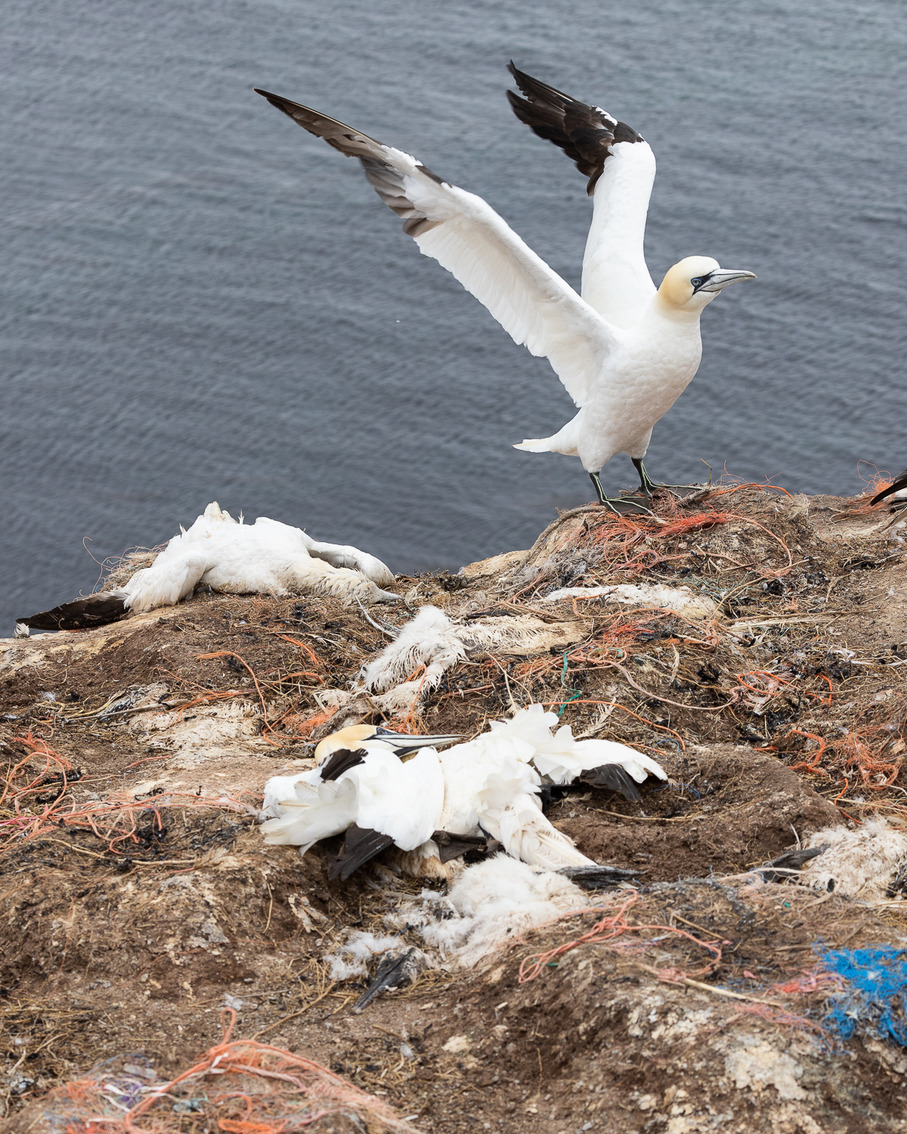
(752, 642)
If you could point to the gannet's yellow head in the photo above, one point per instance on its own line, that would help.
(351, 737)
(695, 281)
(357, 736)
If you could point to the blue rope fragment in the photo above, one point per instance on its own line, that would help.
(874, 997)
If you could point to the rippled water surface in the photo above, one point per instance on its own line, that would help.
(201, 301)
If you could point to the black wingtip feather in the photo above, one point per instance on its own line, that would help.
(359, 847)
(81, 614)
(585, 133)
(458, 846)
(613, 777)
(899, 483)
(341, 761)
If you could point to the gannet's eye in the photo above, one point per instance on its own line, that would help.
(696, 282)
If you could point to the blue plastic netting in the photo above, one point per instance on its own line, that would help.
(874, 996)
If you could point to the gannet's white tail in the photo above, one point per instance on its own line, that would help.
(564, 441)
(535, 445)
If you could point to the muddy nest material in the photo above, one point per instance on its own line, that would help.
(680, 1006)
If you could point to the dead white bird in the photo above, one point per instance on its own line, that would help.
(371, 788)
(625, 350)
(266, 557)
(380, 799)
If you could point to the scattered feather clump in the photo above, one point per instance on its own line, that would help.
(359, 952)
(431, 643)
(862, 863)
(681, 599)
(489, 904)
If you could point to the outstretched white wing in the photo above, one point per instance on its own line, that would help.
(621, 168)
(468, 238)
(616, 280)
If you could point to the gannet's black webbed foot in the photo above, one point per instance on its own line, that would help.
(616, 504)
(648, 487)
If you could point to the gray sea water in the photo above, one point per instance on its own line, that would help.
(201, 301)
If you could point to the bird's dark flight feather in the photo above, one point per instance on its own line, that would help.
(585, 133)
(81, 614)
(455, 846)
(392, 972)
(359, 847)
(779, 869)
(614, 778)
(899, 483)
(341, 761)
(597, 877)
(383, 177)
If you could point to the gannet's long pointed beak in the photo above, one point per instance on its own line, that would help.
(405, 742)
(721, 277)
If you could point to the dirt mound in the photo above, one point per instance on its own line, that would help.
(751, 642)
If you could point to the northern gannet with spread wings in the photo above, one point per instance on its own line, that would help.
(625, 350)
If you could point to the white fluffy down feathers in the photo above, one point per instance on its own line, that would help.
(861, 863)
(431, 641)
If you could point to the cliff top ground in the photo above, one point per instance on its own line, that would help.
(141, 914)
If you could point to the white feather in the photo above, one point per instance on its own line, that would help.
(532, 303)
(616, 280)
(278, 789)
(402, 799)
(526, 834)
(314, 812)
(359, 950)
(560, 759)
(399, 798)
